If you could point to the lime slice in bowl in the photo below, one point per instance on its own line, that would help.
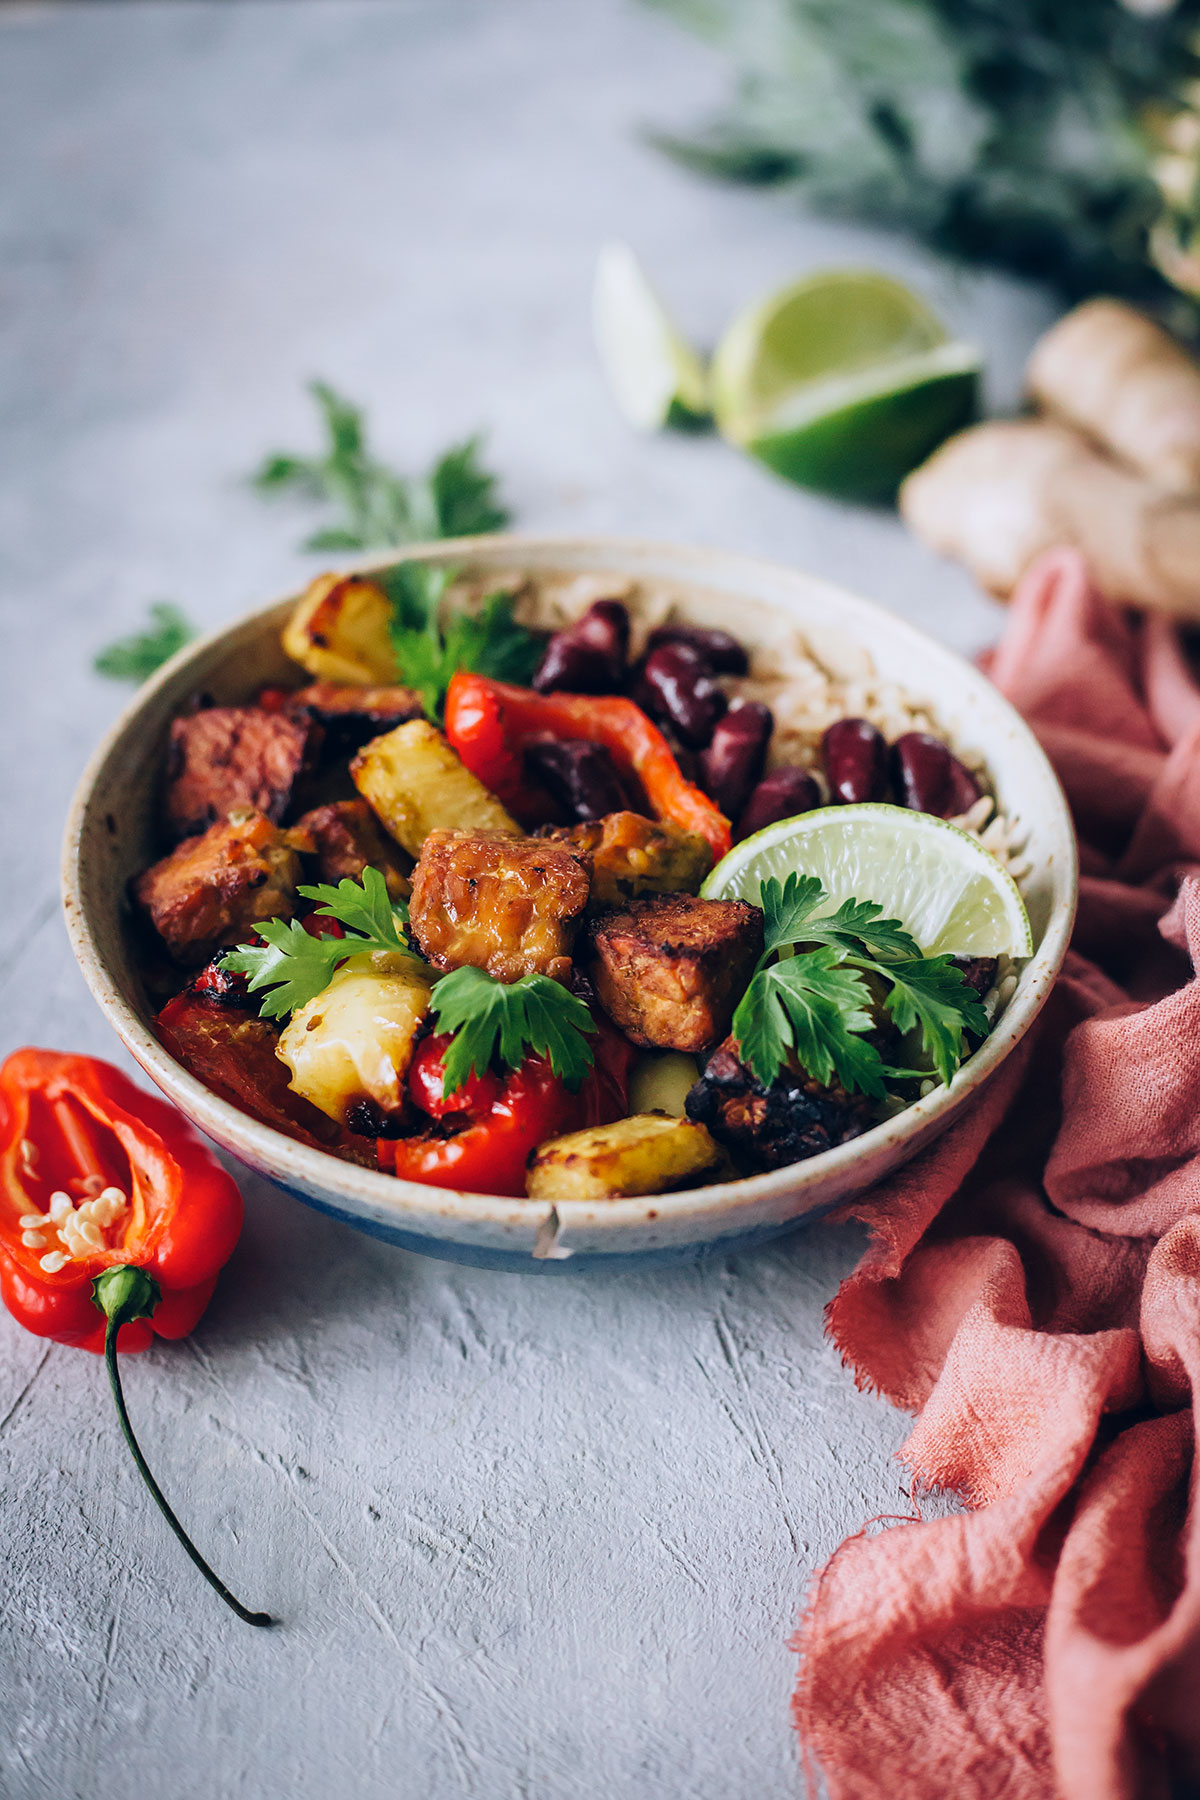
(655, 376)
(843, 382)
(943, 886)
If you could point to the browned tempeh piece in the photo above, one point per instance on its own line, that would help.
(509, 905)
(347, 838)
(670, 969)
(227, 756)
(213, 889)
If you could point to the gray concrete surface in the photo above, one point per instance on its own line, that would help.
(528, 1538)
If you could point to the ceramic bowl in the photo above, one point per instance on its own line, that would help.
(110, 837)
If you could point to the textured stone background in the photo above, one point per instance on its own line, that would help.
(528, 1537)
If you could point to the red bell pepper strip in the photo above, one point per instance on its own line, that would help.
(506, 1119)
(114, 1220)
(490, 722)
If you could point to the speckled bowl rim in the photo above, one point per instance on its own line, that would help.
(379, 1198)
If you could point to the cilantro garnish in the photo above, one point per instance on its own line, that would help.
(429, 649)
(379, 508)
(487, 1018)
(296, 966)
(136, 657)
(512, 1018)
(816, 1005)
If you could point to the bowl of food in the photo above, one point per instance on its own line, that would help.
(537, 902)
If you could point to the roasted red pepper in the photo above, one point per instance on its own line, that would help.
(504, 1119)
(114, 1221)
(490, 722)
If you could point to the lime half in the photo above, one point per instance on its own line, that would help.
(842, 382)
(942, 885)
(655, 376)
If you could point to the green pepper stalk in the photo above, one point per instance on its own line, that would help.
(124, 1293)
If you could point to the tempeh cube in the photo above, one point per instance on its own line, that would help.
(509, 905)
(227, 756)
(347, 838)
(214, 889)
(670, 969)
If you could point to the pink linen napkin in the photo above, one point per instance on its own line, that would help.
(1032, 1293)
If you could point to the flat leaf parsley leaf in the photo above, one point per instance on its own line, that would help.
(296, 966)
(379, 508)
(513, 1018)
(931, 993)
(815, 1005)
(429, 649)
(856, 925)
(136, 657)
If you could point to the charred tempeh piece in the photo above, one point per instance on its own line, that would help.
(351, 716)
(670, 969)
(509, 905)
(346, 838)
(227, 756)
(770, 1127)
(213, 889)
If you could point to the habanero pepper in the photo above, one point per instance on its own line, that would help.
(114, 1222)
(490, 722)
(505, 1118)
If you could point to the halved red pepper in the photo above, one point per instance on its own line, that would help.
(490, 722)
(507, 1118)
(114, 1221)
(75, 1125)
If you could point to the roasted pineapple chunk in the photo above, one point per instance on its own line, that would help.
(341, 631)
(354, 1042)
(648, 1154)
(414, 781)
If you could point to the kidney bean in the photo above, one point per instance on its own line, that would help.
(723, 654)
(679, 686)
(733, 762)
(854, 756)
(929, 777)
(580, 777)
(587, 657)
(780, 795)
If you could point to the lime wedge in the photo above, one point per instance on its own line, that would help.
(655, 376)
(842, 382)
(950, 893)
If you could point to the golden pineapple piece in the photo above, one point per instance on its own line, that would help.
(509, 905)
(354, 1041)
(415, 782)
(341, 631)
(648, 1154)
(632, 855)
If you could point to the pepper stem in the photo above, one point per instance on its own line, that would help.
(124, 1293)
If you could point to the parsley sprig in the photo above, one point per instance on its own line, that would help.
(136, 657)
(490, 1017)
(378, 508)
(817, 1005)
(430, 646)
(296, 966)
(487, 1018)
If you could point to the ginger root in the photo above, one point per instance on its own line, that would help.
(997, 495)
(1128, 384)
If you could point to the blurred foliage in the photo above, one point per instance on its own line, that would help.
(1057, 138)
